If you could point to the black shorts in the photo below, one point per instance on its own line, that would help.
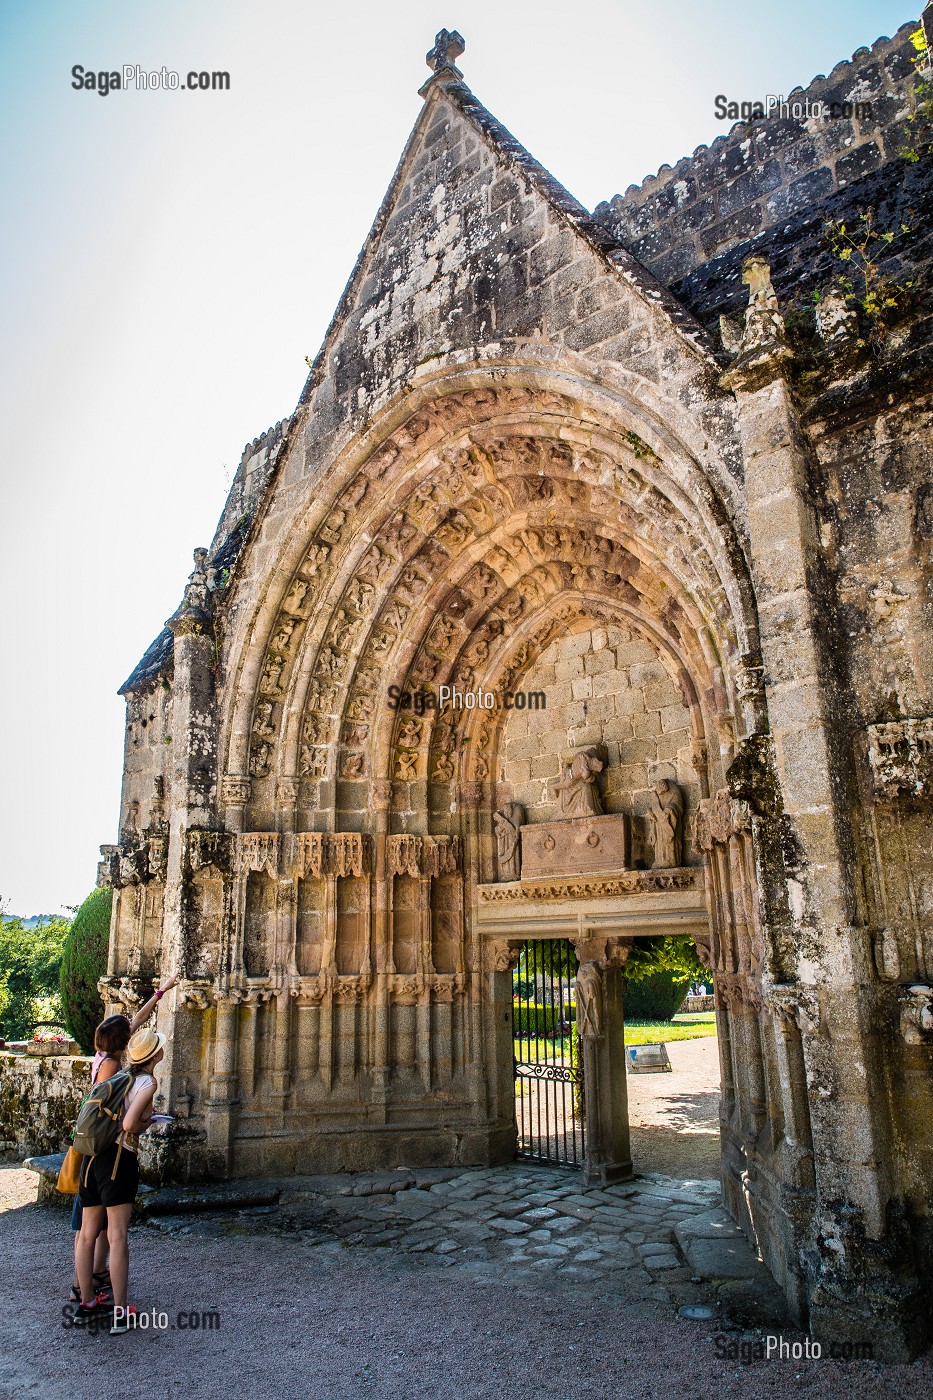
(99, 1186)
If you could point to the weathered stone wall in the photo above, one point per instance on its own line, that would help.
(609, 687)
(39, 1101)
(764, 172)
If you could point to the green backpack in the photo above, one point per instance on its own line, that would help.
(101, 1114)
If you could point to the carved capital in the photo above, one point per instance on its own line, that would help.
(791, 1002)
(719, 818)
(257, 851)
(205, 848)
(130, 992)
(916, 1008)
(320, 853)
(235, 790)
(900, 755)
(197, 996)
(423, 855)
(505, 955)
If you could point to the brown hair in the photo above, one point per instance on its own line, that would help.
(112, 1036)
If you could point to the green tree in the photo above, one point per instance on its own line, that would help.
(29, 964)
(84, 961)
(658, 973)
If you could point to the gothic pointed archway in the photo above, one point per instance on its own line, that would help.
(478, 526)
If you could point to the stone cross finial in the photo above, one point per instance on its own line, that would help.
(448, 46)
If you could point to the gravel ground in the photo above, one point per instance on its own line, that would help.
(674, 1118)
(341, 1321)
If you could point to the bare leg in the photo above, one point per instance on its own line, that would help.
(91, 1226)
(118, 1220)
(101, 1250)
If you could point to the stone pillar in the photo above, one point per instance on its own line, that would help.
(222, 1091)
(601, 1028)
(193, 771)
(854, 1295)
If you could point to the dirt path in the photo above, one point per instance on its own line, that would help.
(674, 1117)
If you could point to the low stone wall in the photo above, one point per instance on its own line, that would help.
(39, 1101)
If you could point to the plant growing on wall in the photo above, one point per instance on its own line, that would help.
(864, 286)
(919, 134)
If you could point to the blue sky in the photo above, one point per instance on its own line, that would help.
(169, 258)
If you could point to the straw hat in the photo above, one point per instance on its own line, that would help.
(143, 1046)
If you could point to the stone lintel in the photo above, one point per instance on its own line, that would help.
(632, 904)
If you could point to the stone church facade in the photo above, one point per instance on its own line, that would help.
(591, 458)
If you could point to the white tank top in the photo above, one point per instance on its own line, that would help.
(139, 1085)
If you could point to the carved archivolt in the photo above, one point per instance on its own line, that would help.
(363, 593)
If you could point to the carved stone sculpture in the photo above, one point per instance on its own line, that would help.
(508, 821)
(589, 987)
(666, 815)
(576, 790)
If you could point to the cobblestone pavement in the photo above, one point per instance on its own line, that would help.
(638, 1236)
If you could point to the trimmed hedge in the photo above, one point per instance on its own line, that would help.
(657, 997)
(531, 1018)
(84, 960)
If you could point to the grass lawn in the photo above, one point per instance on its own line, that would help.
(687, 1026)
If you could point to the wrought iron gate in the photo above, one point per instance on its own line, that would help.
(548, 1061)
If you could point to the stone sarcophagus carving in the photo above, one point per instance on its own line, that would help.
(578, 845)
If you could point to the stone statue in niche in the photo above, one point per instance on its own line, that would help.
(589, 990)
(576, 790)
(508, 840)
(666, 816)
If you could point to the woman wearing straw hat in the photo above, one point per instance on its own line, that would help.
(110, 1181)
(110, 1041)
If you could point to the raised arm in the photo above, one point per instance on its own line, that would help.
(145, 1011)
